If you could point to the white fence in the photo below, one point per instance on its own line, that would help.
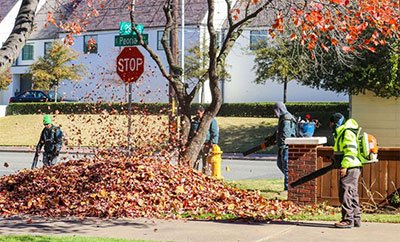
(3, 110)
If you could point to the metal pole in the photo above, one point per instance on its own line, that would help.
(133, 5)
(183, 39)
(174, 49)
(129, 115)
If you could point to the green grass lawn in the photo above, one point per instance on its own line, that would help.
(270, 188)
(236, 134)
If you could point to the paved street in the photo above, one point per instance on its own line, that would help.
(199, 231)
(232, 169)
(11, 162)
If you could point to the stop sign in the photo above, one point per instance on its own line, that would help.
(130, 64)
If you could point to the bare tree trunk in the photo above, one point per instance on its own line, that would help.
(285, 90)
(189, 150)
(22, 29)
(197, 143)
(173, 120)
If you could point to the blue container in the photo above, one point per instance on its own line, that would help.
(307, 129)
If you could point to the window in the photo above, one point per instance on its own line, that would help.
(159, 37)
(222, 38)
(39, 95)
(218, 39)
(90, 44)
(27, 95)
(27, 52)
(256, 37)
(47, 47)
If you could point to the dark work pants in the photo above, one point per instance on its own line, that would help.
(348, 196)
(204, 152)
(282, 163)
(49, 159)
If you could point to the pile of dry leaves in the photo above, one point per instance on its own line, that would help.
(116, 186)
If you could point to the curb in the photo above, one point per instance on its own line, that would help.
(25, 149)
(91, 151)
(239, 156)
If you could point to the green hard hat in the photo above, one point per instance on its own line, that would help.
(46, 119)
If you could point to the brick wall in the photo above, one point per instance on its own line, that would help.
(303, 161)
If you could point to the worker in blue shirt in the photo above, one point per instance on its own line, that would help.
(212, 137)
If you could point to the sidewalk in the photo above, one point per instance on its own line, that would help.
(89, 150)
(201, 231)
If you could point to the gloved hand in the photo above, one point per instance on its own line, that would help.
(56, 152)
(270, 138)
(343, 172)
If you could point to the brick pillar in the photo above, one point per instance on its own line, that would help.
(303, 161)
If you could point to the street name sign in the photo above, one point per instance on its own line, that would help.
(125, 28)
(130, 40)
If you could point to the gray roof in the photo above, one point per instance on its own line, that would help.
(265, 18)
(61, 9)
(42, 29)
(5, 7)
(150, 13)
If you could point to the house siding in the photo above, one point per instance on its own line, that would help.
(102, 84)
(378, 116)
(242, 87)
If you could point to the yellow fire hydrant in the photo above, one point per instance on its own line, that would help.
(215, 159)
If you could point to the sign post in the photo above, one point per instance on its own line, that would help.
(130, 66)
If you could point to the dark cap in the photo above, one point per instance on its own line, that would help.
(200, 108)
(337, 118)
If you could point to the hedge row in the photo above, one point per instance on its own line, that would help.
(320, 111)
(84, 108)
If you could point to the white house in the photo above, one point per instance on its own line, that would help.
(101, 82)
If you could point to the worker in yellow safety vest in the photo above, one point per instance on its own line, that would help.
(346, 151)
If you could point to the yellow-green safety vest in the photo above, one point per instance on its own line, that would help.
(346, 144)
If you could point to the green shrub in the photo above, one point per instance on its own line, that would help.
(319, 110)
(395, 199)
(85, 108)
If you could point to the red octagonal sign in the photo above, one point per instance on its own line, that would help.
(130, 64)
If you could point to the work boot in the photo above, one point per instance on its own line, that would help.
(343, 225)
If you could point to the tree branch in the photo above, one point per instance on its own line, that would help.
(235, 30)
(153, 55)
(197, 87)
(167, 33)
(22, 29)
(229, 15)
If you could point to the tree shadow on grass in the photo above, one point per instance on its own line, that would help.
(238, 139)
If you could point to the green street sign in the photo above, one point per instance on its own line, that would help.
(125, 28)
(129, 40)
